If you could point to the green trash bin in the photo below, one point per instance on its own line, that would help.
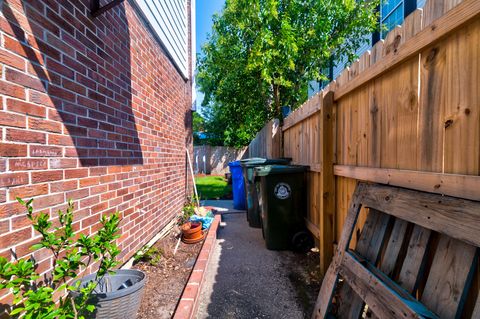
(284, 205)
(248, 165)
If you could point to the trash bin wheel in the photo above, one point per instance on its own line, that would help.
(302, 242)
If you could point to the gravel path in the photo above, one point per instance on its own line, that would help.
(245, 280)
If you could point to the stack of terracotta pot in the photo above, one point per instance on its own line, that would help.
(192, 232)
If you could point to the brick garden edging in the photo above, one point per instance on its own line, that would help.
(187, 307)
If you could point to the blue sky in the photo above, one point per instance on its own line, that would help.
(205, 10)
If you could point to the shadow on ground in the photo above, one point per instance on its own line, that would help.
(245, 280)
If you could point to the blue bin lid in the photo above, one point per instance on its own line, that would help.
(234, 164)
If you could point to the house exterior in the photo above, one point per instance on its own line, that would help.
(391, 14)
(97, 110)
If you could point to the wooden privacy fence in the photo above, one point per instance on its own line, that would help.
(407, 113)
(267, 142)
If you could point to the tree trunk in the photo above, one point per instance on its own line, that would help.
(276, 102)
(278, 111)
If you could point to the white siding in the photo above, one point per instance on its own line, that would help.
(169, 20)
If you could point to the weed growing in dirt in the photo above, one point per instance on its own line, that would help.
(151, 255)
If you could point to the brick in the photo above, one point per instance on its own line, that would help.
(54, 66)
(76, 173)
(12, 179)
(196, 277)
(4, 226)
(63, 186)
(12, 60)
(109, 195)
(48, 201)
(56, 139)
(13, 90)
(44, 125)
(190, 291)
(26, 136)
(3, 195)
(20, 222)
(11, 209)
(184, 309)
(12, 119)
(25, 108)
(73, 86)
(40, 98)
(13, 150)
(89, 201)
(25, 80)
(28, 191)
(48, 176)
(78, 194)
(63, 163)
(55, 115)
(25, 164)
(98, 171)
(61, 93)
(13, 238)
(45, 151)
(87, 222)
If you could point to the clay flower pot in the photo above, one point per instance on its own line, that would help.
(192, 232)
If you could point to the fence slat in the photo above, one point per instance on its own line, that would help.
(327, 184)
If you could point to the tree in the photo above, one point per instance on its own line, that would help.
(262, 54)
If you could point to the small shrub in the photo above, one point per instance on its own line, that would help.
(151, 255)
(50, 297)
(187, 211)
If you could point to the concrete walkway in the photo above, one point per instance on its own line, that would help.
(222, 206)
(245, 280)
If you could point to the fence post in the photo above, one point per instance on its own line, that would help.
(327, 181)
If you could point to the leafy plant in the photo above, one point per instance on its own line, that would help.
(54, 296)
(152, 255)
(188, 210)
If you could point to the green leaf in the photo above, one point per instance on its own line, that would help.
(16, 311)
(37, 246)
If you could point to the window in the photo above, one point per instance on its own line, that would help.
(392, 13)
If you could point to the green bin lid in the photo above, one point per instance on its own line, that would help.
(280, 169)
(256, 161)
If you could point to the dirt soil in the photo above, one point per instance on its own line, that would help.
(166, 277)
(306, 280)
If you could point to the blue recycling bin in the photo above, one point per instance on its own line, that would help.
(237, 185)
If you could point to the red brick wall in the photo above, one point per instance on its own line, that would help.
(93, 110)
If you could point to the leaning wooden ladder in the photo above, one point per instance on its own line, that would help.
(415, 257)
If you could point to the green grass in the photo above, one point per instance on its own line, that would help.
(212, 187)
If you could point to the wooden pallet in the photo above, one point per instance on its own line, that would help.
(415, 257)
